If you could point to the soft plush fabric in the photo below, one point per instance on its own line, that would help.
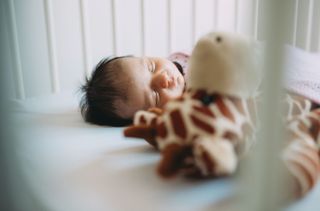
(302, 73)
(207, 130)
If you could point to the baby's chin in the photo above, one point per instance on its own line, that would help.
(173, 94)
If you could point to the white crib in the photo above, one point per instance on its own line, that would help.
(54, 43)
(51, 45)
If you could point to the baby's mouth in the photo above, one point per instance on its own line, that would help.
(172, 82)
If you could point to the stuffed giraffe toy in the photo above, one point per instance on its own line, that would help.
(206, 130)
(301, 155)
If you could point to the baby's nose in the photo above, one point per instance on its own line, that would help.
(161, 80)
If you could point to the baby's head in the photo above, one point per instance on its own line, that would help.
(120, 86)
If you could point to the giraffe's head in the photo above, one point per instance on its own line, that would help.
(224, 63)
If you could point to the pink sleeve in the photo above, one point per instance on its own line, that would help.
(302, 75)
(182, 59)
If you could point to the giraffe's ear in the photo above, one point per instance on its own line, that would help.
(142, 131)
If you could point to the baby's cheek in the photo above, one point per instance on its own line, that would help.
(170, 94)
(164, 100)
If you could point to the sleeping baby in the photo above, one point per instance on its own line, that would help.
(120, 86)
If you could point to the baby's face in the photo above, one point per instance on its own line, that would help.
(149, 82)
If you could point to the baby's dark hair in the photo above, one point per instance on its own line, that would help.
(100, 91)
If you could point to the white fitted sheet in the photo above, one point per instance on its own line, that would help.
(70, 165)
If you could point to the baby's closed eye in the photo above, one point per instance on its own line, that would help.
(151, 67)
(156, 98)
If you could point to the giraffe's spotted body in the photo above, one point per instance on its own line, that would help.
(188, 120)
(217, 131)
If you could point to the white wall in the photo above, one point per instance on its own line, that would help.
(50, 45)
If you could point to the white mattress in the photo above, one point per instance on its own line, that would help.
(70, 165)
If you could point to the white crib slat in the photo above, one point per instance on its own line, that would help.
(309, 25)
(143, 26)
(201, 16)
(6, 59)
(267, 192)
(246, 17)
(85, 36)
(256, 18)
(315, 27)
(204, 17)
(156, 28)
(52, 46)
(291, 21)
(319, 37)
(169, 23)
(128, 23)
(216, 14)
(295, 23)
(193, 21)
(100, 29)
(236, 15)
(114, 28)
(316, 24)
(67, 19)
(181, 27)
(16, 52)
(303, 28)
(226, 15)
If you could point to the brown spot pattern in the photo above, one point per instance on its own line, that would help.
(174, 158)
(207, 161)
(178, 124)
(199, 94)
(142, 120)
(202, 125)
(153, 122)
(162, 130)
(204, 110)
(230, 135)
(224, 109)
(306, 173)
(315, 128)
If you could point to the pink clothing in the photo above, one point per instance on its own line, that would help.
(302, 73)
(182, 60)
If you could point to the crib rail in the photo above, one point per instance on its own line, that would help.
(65, 39)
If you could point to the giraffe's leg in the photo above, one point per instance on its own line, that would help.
(302, 154)
(173, 159)
(215, 156)
(296, 105)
